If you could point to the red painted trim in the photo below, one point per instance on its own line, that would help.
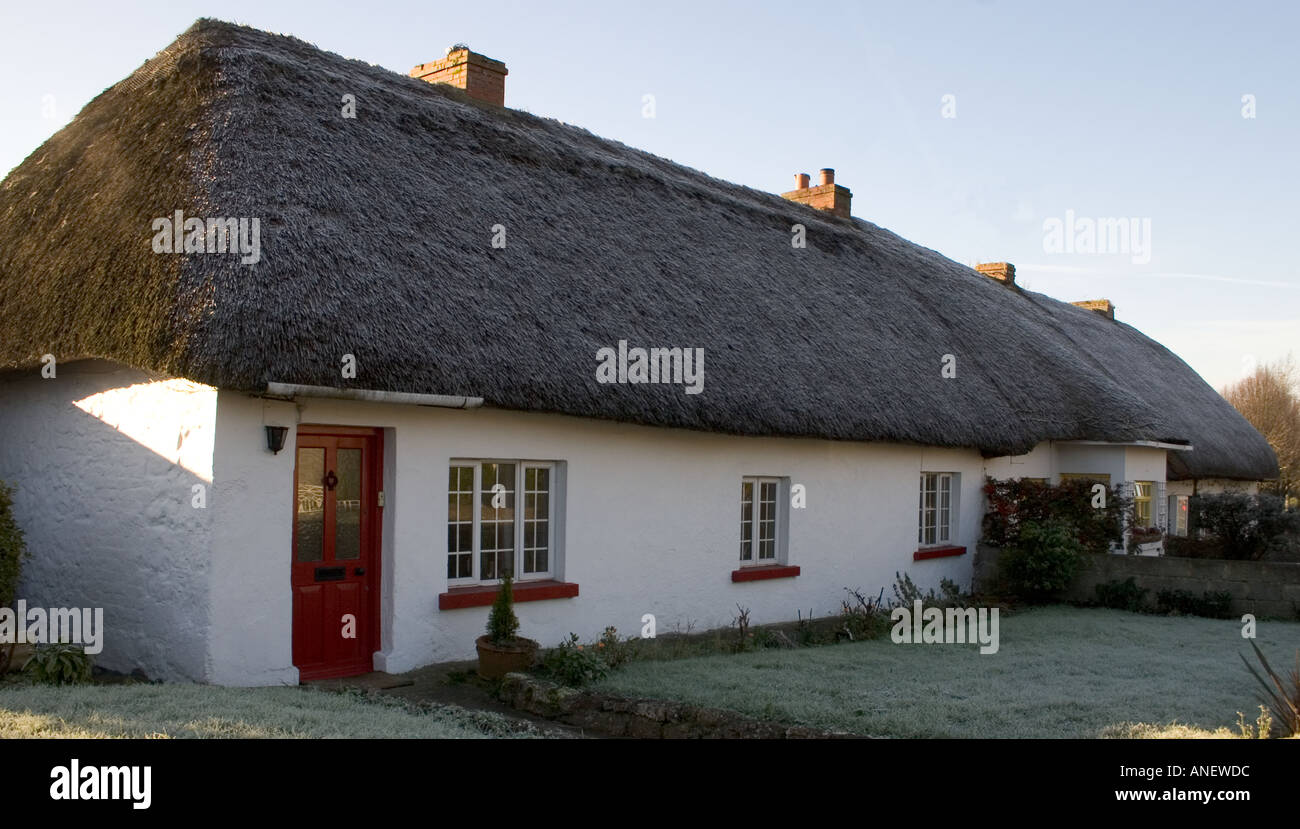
(483, 595)
(770, 571)
(938, 552)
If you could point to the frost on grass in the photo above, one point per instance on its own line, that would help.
(1060, 672)
(204, 711)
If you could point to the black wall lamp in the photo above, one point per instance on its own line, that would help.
(275, 438)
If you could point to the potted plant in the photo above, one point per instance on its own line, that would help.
(1145, 541)
(501, 650)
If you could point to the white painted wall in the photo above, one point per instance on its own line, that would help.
(1039, 462)
(1085, 459)
(652, 526)
(105, 460)
(252, 509)
(1144, 463)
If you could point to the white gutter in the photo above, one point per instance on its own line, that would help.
(447, 401)
(1153, 444)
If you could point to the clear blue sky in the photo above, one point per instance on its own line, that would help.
(1105, 109)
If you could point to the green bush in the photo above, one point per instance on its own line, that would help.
(861, 617)
(906, 593)
(1249, 527)
(615, 651)
(12, 547)
(1187, 547)
(1042, 560)
(1014, 504)
(1122, 595)
(503, 624)
(1213, 605)
(59, 664)
(573, 663)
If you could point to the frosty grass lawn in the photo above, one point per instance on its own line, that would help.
(208, 711)
(1060, 672)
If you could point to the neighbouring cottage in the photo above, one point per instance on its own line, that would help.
(396, 398)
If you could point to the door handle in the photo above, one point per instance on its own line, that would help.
(360, 571)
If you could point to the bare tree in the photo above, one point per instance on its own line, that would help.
(1270, 400)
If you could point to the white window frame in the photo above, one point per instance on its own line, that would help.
(1148, 499)
(1177, 511)
(944, 533)
(779, 520)
(520, 476)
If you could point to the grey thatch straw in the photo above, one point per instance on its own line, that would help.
(375, 242)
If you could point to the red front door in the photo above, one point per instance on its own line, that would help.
(335, 551)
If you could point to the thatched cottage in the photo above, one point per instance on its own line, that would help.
(290, 340)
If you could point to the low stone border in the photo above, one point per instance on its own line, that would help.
(645, 718)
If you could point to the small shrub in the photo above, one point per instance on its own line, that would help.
(59, 664)
(906, 593)
(615, 651)
(1122, 595)
(503, 624)
(806, 630)
(862, 617)
(1143, 535)
(573, 663)
(1043, 559)
(1250, 527)
(1280, 694)
(743, 636)
(13, 549)
(1213, 605)
(1187, 547)
(1262, 727)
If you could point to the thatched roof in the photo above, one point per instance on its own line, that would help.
(375, 241)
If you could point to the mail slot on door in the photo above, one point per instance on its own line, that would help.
(331, 573)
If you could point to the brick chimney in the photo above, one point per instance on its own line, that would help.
(1102, 306)
(481, 77)
(827, 195)
(1003, 272)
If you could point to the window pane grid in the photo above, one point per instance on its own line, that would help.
(1142, 503)
(498, 520)
(460, 523)
(758, 520)
(934, 519)
(537, 515)
(767, 523)
(747, 521)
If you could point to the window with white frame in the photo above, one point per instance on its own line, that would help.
(1178, 515)
(937, 514)
(760, 521)
(1142, 503)
(488, 535)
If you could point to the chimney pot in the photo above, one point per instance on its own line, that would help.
(828, 196)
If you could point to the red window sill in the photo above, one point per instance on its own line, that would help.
(482, 595)
(771, 571)
(938, 552)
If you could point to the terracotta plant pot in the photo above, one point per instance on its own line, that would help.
(495, 661)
